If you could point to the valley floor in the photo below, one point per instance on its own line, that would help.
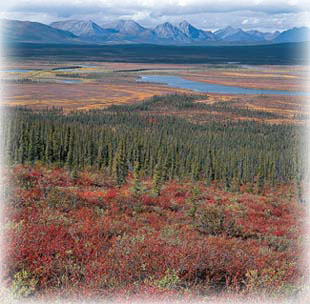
(103, 84)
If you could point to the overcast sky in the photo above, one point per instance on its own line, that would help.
(206, 14)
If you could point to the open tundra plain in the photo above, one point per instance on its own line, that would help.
(90, 85)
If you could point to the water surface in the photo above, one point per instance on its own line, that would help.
(68, 80)
(179, 82)
(16, 71)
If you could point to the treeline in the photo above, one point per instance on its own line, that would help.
(187, 102)
(21, 80)
(275, 54)
(128, 139)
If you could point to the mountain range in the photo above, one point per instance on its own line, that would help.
(129, 31)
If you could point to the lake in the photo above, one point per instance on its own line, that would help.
(70, 81)
(179, 82)
(16, 71)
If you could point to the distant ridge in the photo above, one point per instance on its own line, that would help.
(293, 35)
(26, 31)
(170, 32)
(263, 36)
(194, 33)
(80, 27)
(129, 32)
(232, 34)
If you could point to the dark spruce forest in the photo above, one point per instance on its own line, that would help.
(286, 53)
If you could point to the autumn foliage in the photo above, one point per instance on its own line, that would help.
(84, 236)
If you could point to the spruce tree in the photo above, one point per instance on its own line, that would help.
(157, 179)
(137, 188)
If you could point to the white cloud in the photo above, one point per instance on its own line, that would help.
(208, 14)
(178, 6)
